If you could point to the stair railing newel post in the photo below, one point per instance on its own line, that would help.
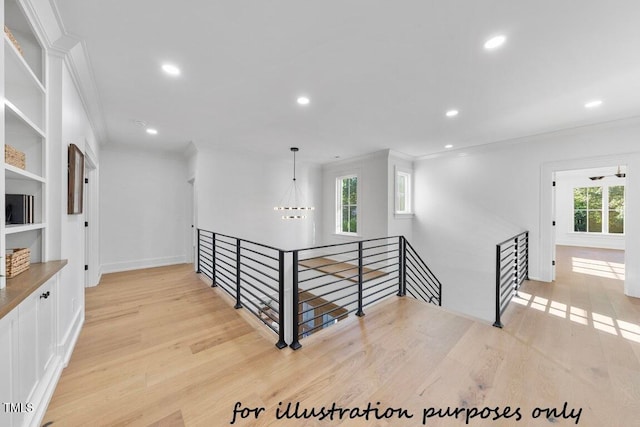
(439, 292)
(281, 308)
(238, 303)
(360, 313)
(198, 252)
(403, 267)
(526, 254)
(213, 260)
(516, 258)
(400, 264)
(295, 342)
(497, 323)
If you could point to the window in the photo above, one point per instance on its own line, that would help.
(598, 209)
(616, 209)
(403, 192)
(347, 204)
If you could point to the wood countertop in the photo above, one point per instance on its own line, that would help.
(24, 284)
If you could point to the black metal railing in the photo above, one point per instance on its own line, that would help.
(327, 283)
(512, 268)
(250, 272)
(420, 282)
(332, 281)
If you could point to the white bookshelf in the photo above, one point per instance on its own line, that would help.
(25, 121)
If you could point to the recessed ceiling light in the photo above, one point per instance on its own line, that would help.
(495, 42)
(452, 113)
(303, 100)
(170, 69)
(152, 131)
(593, 104)
(448, 146)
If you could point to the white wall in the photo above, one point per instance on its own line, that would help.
(566, 181)
(66, 233)
(236, 194)
(144, 208)
(468, 202)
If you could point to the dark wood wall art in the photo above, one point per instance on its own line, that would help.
(76, 180)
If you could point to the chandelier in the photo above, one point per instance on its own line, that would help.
(292, 203)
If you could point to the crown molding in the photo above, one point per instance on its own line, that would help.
(48, 26)
(496, 145)
(79, 65)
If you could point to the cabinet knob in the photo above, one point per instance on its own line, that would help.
(45, 295)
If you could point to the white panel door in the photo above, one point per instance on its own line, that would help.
(28, 348)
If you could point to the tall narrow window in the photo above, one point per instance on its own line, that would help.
(347, 204)
(403, 192)
(587, 207)
(616, 209)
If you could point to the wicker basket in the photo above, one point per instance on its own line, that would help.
(14, 157)
(13, 40)
(17, 261)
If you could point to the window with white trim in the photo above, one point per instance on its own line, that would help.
(599, 209)
(403, 192)
(347, 204)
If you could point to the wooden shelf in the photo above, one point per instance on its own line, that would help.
(23, 285)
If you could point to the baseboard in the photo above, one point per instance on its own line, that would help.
(44, 393)
(116, 267)
(98, 277)
(68, 343)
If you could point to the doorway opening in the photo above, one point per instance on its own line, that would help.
(92, 271)
(589, 216)
(192, 228)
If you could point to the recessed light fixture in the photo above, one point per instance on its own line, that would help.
(152, 131)
(303, 100)
(448, 146)
(593, 104)
(495, 42)
(171, 69)
(452, 113)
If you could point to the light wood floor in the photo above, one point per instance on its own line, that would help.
(160, 348)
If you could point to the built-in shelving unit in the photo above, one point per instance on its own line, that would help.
(37, 333)
(25, 122)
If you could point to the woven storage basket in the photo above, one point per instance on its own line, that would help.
(17, 261)
(13, 40)
(14, 157)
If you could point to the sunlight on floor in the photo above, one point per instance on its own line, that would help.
(617, 327)
(606, 269)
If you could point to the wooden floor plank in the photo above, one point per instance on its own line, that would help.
(159, 347)
(341, 269)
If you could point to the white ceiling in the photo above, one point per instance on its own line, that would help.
(380, 74)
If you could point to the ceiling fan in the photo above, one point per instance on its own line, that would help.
(619, 174)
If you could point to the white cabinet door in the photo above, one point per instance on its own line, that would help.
(27, 348)
(46, 325)
(8, 361)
